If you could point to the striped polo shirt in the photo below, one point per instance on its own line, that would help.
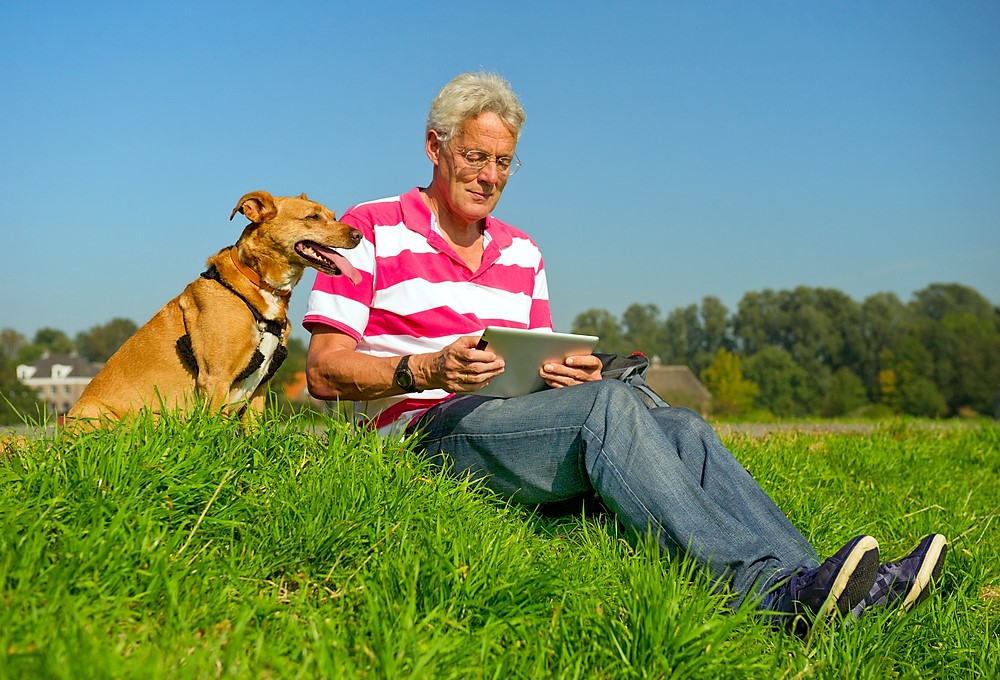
(417, 295)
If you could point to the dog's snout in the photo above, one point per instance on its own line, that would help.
(355, 236)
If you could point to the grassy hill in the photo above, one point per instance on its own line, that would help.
(197, 550)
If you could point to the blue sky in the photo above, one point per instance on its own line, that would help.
(673, 150)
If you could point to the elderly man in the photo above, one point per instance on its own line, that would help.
(437, 268)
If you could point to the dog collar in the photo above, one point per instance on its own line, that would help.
(253, 277)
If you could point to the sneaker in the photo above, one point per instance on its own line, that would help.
(907, 583)
(808, 597)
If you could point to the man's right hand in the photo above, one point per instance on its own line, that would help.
(459, 367)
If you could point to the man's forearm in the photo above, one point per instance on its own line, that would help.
(352, 376)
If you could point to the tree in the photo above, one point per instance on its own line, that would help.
(100, 342)
(692, 335)
(965, 349)
(17, 401)
(847, 394)
(760, 320)
(731, 394)
(939, 300)
(52, 340)
(902, 372)
(885, 320)
(11, 344)
(715, 325)
(643, 330)
(682, 337)
(845, 318)
(784, 386)
(812, 333)
(919, 396)
(601, 323)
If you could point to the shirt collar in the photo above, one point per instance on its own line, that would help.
(417, 217)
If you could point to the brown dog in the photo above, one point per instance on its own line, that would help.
(221, 340)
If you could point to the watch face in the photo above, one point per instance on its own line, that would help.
(404, 376)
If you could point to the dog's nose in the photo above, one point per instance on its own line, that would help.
(355, 236)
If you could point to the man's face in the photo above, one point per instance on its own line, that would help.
(470, 193)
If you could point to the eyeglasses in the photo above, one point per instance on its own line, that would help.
(474, 158)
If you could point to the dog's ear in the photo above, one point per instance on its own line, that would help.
(257, 206)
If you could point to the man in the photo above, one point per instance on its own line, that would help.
(437, 268)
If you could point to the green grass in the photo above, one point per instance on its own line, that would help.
(200, 550)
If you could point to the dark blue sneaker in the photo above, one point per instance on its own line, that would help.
(809, 597)
(906, 583)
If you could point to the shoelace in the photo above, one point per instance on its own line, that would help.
(887, 583)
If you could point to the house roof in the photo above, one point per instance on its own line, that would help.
(79, 367)
(676, 379)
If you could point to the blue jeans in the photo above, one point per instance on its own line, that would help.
(662, 470)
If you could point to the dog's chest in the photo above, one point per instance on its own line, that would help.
(275, 306)
(262, 365)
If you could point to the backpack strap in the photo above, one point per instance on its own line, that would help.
(631, 370)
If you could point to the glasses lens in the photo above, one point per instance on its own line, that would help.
(477, 159)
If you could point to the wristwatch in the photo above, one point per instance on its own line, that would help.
(404, 376)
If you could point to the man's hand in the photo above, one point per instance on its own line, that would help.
(459, 367)
(574, 370)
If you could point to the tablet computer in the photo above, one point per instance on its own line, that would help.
(524, 352)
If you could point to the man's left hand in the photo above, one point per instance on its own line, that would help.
(574, 370)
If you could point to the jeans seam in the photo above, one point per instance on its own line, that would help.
(621, 479)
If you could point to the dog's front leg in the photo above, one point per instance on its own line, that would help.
(214, 383)
(222, 341)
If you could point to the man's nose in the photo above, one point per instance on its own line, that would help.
(490, 172)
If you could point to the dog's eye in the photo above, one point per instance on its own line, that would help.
(313, 216)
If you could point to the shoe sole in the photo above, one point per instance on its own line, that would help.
(854, 580)
(930, 571)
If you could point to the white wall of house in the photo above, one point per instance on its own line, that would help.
(59, 389)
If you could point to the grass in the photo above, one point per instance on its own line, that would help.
(199, 550)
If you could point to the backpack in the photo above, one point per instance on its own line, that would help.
(631, 370)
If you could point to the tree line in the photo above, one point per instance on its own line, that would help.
(816, 351)
(790, 353)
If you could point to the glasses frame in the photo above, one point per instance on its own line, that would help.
(515, 163)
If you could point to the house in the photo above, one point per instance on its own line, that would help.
(297, 391)
(679, 386)
(58, 379)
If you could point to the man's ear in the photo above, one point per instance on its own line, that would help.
(257, 206)
(433, 146)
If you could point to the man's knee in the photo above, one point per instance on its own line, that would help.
(681, 417)
(682, 414)
(619, 394)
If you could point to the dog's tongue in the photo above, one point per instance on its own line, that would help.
(345, 267)
(314, 252)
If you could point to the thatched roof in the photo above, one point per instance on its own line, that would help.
(679, 386)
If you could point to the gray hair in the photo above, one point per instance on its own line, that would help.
(469, 94)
